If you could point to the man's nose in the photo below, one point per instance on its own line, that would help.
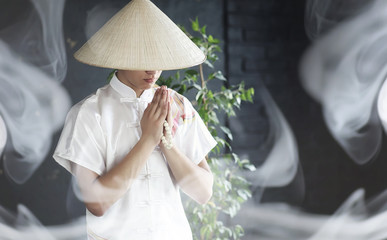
(149, 72)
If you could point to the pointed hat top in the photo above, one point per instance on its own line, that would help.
(140, 37)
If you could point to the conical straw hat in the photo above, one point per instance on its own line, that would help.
(140, 37)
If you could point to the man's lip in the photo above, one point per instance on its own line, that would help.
(149, 79)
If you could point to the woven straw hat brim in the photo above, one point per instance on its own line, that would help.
(140, 37)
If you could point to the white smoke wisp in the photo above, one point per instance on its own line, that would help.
(356, 219)
(33, 104)
(24, 225)
(343, 71)
(39, 39)
(33, 107)
(280, 166)
(323, 15)
(382, 105)
(98, 16)
(3, 135)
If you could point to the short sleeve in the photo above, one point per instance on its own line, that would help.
(192, 136)
(82, 141)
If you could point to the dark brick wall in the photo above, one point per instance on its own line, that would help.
(264, 42)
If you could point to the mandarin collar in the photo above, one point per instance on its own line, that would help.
(127, 92)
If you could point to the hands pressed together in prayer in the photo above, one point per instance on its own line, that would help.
(154, 116)
(195, 180)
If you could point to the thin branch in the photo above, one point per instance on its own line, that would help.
(202, 76)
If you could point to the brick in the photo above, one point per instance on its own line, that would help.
(253, 35)
(235, 66)
(247, 21)
(247, 140)
(295, 53)
(235, 34)
(251, 80)
(298, 34)
(261, 66)
(279, 33)
(246, 51)
(279, 21)
(250, 110)
(244, 6)
(276, 78)
(265, 35)
(252, 124)
(254, 66)
(272, 6)
(275, 51)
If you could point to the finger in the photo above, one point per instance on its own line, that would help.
(147, 109)
(155, 95)
(162, 108)
(155, 102)
(148, 106)
(165, 94)
(151, 108)
(160, 96)
(163, 112)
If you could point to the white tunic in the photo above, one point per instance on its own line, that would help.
(100, 131)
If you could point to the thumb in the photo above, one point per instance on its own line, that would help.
(147, 107)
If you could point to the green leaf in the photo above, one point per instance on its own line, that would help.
(227, 131)
(250, 93)
(213, 117)
(249, 97)
(111, 74)
(175, 86)
(211, 39)
(168, 82)
(210, 95)
(177, 75)
(227, 185)
(208, 64)
(182, 90)
(238, 101)
(198, 87)
(219, 75)
(199, 96)
(243, 97)
(197, 41)
(195, 25)
(250, 167)
(229, 232)
(217, 49)
(243, 194)
(203, 30)
(191, 72)
(235, 157)
(182, 28)
(189, 88)
(211, 76)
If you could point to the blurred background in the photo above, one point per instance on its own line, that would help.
(264, 43)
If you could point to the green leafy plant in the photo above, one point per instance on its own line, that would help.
(230, 188)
